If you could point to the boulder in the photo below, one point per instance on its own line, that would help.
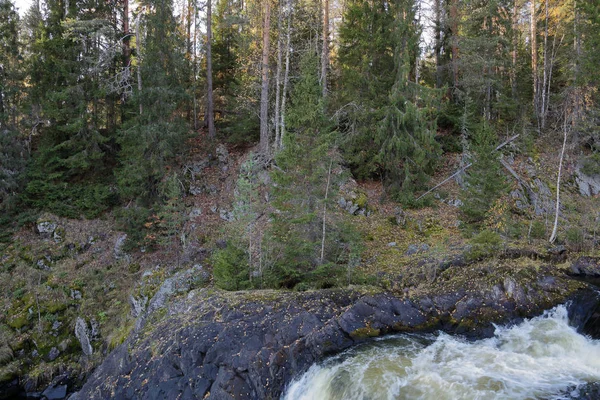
(589, 185)
(55, 392)
(46, 225)
(118, 249)
(586, 267)
(53, 354)
(83, 335)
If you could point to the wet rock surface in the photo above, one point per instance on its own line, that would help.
(224, 345)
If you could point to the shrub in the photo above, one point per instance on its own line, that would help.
(575, 238)
(484, 244)
(230, 269)
(538, 230)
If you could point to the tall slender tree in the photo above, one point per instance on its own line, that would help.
(210, 107)
(264, 92)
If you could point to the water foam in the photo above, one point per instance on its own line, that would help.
(537, 359)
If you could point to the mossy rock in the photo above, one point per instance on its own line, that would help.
(362, 200)
(365, 333)
(18, 321)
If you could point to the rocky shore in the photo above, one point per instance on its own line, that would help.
(224, 345)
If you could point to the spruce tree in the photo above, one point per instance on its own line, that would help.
(485, 182)
(12, 147)
(152, 138)
(366, 65)
(408, 151)
(68, 173)
(301, 179)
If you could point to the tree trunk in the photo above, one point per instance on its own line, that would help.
(454, 28)
(438, 42)
(209, 78)
(278, 77)
(534, 60)
(264, 93)
(545, 72)
(515, 45)
(562, 155)
(286, 77)
(126, 38)
(138, 42)
(325, 52)
(325, 212)
(579, 105)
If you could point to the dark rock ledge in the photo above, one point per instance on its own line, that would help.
(250, 345)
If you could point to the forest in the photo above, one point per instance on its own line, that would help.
(103, 104)
(411, 146)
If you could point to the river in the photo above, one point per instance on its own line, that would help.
(540, 358)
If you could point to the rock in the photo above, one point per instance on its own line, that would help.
(587, 391)
(138, 306)
(95, 329)
(513, 290)
(254, 345)
(544, 203)
(56, 325)
(415, 248)
(53, 354)
(118, 250)
(195, 213)
(226, 215)
(195, 190)
(46, 225)
(58, 235)
(557, 250)
(353, 208)
(75, 294)
(82, 334)
(391, 244)
(454, 202)
(400, 216)
(221, 244)
(588, 185)
(55, 392)
(222, 154)
(178, 283)
(41, 264)
(586, 267)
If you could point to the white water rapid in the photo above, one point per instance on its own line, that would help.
(538, 359)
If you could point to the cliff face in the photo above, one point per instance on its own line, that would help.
(223, 345)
